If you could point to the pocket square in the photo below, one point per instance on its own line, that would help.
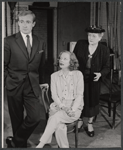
(40, 51)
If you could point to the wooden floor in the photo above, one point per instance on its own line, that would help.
(105, 137)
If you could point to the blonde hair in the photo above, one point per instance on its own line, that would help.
(74, 64)
(26, 12)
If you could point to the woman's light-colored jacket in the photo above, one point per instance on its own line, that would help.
(56, 90)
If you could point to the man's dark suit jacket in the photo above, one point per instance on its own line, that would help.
(17, 64)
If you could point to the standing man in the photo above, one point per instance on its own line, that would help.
(22, 56)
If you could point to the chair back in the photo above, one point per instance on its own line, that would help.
(114, 87)
(45, 98)
(111, 71)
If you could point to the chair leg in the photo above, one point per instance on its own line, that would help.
(109, 109)
(114, 114)
(76, 135)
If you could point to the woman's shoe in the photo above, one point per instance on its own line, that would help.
(39, 145)
(89, 133)
(59, 147)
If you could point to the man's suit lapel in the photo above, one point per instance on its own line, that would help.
(21, 44)
(34, 46)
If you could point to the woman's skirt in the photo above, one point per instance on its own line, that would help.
(91, 96)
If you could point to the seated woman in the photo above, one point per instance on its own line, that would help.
(67, 93)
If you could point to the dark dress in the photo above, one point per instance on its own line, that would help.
(100, 62)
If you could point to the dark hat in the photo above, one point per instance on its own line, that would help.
(95, 29)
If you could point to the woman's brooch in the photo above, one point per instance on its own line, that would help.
(90, 56)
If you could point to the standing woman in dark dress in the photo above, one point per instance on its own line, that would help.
(94, 61)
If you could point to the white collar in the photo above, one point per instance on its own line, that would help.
(61, 73)
(24, 35)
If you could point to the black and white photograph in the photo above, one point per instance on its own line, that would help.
(61, 74)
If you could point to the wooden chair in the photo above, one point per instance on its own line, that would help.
(45, 98)
(71, 127)
(46, 101)
(112, 99)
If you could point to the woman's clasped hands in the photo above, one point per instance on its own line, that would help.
(68, 111)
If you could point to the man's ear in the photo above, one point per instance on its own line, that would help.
(34, 24)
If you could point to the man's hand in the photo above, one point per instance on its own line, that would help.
(98, 75)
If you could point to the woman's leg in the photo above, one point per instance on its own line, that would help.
(52, 124)
(90, 129)
(90, 124)
(49, 130)
(61, 136)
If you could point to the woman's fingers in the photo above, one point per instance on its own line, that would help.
(71, 113)
(98, 75)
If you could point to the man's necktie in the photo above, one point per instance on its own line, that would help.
(28, 45)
